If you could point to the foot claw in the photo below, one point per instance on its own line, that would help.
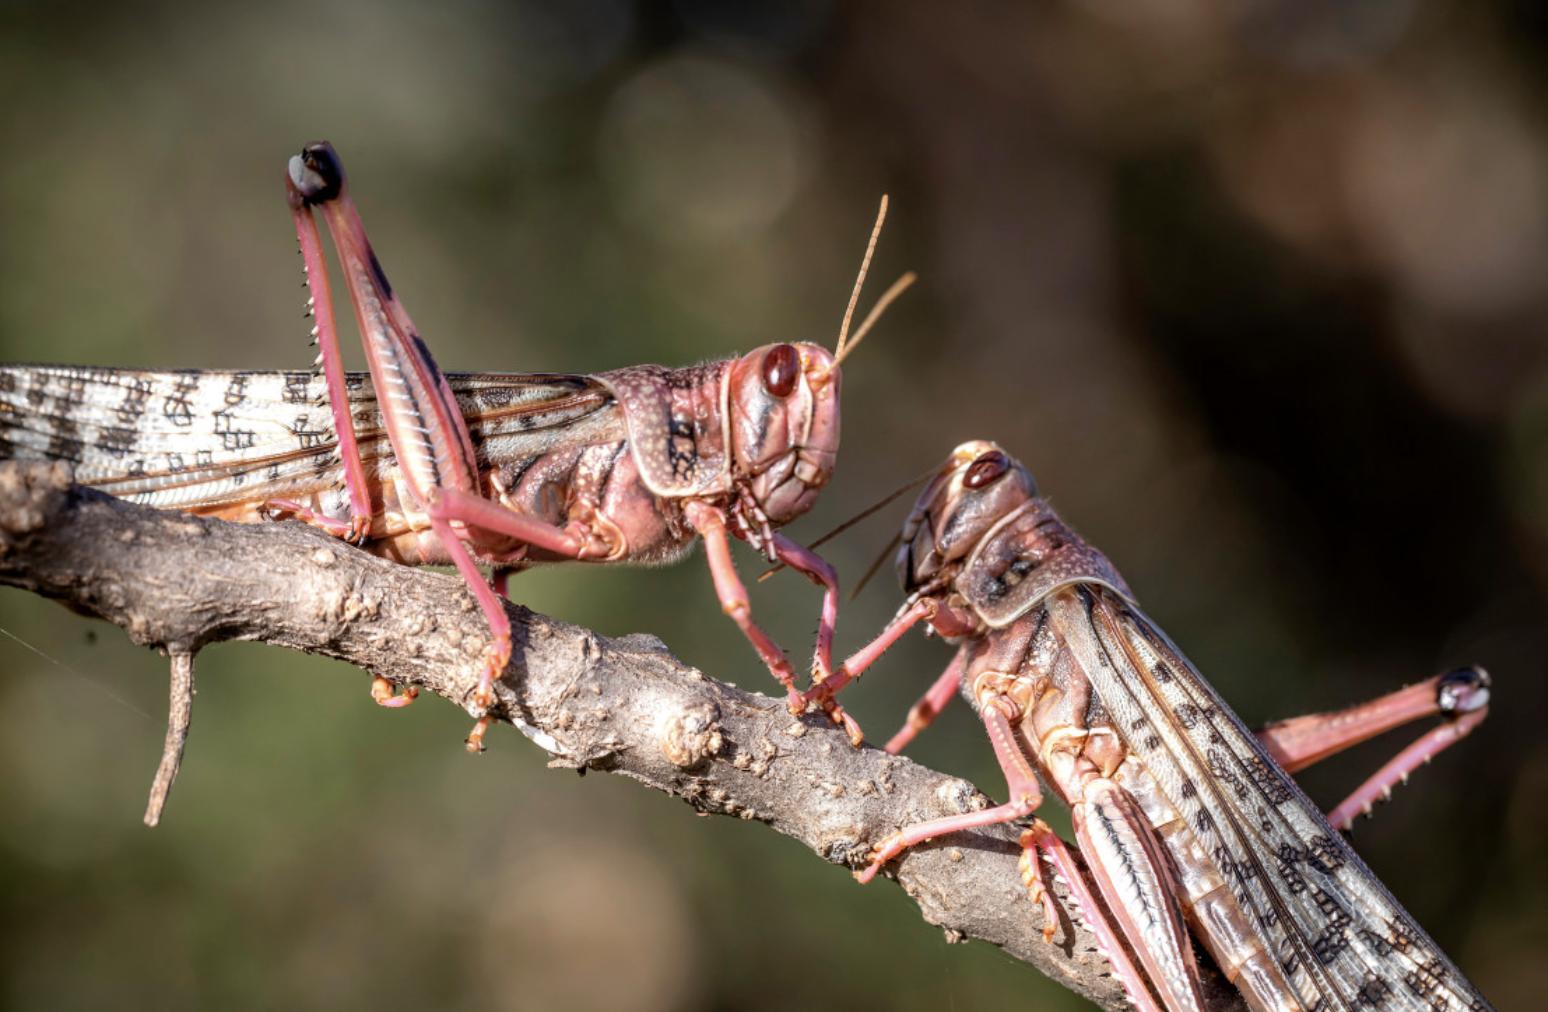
(496, 656)
(851, 728)
(475, 740)
(384, 693)
(1032, 878)
(878, 858)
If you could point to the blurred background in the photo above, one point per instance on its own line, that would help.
(1254, 287)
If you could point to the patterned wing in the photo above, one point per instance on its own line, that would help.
(1340, 936)
(192, 439)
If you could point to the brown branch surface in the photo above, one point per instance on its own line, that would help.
(176, 583)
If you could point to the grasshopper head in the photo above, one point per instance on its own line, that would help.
(783, 406)
(976, 486)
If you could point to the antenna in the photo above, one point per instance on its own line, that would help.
(865, 267)
(876, 564)
(863, 514)
(888, 297)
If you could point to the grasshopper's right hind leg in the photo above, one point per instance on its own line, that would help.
(1460, 697)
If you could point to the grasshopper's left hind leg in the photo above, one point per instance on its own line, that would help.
(325, 335)
(424, 422)
(1461, 697)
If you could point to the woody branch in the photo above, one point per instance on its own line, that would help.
(176, 583)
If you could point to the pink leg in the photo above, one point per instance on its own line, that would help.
(1460, 696)
(1032, 874)
(867, 655)
(477, 512)
(498, 653)
(382, 691)
(346, 530)
(450, 504)
(1379, 786)
(1041, 839)
(711, 525)
(327, 335)
(1299, 742)
(499, 579)
(354, 532)
(1020, 780)
(424, 423)
(475, 739)
(816, 569)
(924, 712)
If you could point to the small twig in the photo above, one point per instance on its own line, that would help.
(176, 582)
(179, 714)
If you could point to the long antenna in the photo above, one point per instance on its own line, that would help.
(888, 297)
(875, 565)
(865, 266)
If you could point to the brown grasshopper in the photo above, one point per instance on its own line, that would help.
(1185, 819)
(508, 470)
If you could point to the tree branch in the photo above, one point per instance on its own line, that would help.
(175, 583)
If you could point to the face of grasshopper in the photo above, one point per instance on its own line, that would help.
(783, 407)
(977, 486)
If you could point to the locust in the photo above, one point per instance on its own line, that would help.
(1190, 825)
(505, 470)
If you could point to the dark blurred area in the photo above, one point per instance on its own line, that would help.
(1256, 288)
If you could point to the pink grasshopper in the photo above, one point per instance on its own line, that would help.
(1184, 818)
(509, 470)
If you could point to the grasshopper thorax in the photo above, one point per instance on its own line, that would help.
(782, 411)
(982, 540)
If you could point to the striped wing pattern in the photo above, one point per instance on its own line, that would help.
(194, 438)
(1342, 938)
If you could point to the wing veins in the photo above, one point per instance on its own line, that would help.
(1352, 885)
(1224, 806)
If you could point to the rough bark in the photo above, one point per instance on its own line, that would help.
(176, 583)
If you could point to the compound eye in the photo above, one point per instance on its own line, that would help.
(781, 368)
(985, 469)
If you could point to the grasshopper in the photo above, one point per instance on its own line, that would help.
(429, 468)
(1189, 824)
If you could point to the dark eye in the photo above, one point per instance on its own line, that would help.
(986, 468)
(781, 366)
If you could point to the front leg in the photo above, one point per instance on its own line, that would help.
(711, 525)
(852, 668)
(807, 562)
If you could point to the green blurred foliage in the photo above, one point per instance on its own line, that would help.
(1255, 289)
